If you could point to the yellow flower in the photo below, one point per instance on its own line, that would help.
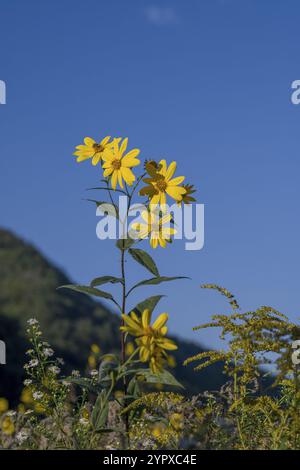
(117, 165)
(95, 349)
(158, 430)
(3, 405)
(171, 361)
(92, 149)
(155, 228)
(177, 421)
(161, 183)
(151, 340)
(129, 348)
(92, 361)
(26, 396)
(21, 408)
(8, 426)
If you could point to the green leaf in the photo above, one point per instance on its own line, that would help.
(165, 378)
(110, 208)
(143, 258)
(149, 303)
(124, 243)
(83, 383)
(100, 411)
(156, 280)
(88, 290)
(98, 281)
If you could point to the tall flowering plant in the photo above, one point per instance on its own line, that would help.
(156, 184)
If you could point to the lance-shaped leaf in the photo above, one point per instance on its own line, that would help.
(100, 411)
(106, 207)
(149, 303)
(164, 377)
(98, 281)
(143, 258)
(156, 280)
(88, 290)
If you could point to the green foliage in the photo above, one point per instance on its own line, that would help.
(143, 258)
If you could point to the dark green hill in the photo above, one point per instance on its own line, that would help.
(71, 322)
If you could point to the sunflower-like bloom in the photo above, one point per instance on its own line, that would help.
(93, 149)
(151, 340)
(161, 183)
(117, 165)
(155, 228)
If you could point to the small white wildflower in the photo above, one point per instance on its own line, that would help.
(32, 321)
(29, 352)
(65, 383)
(94, 373)
(75, 373)
(60, 361)
(11, 413)
(84, 421)
(54, 369)
(48, 352)
(27, 382)
(37, 395)
(33, 363)
(21, 436)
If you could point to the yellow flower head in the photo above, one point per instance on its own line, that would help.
(3, 405)
(161, 183)
(93, 149)
(8, 426)
(95, 349)
(118, 166)
(26, 396)
(177, 421)
(156, 226)
(92, 362)
(150, 339)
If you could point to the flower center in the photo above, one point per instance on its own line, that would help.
(116, 164)
(161, 185)
(98, 148)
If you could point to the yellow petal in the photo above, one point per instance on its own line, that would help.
(168, 344)
(175, 192)
(131, 156)
(120, 179)
(89, 141)
(96, 159)
(105, 140)
(171, 170)
(153, 242)
(176, 181)
(146, 318)
(128, 175)
(163, 170)
(114, 179)
(146, 216)
(82, 158)
(107, 172)
(160, 321)
(165, 219)
(123, 146)
(108, 156)
(162, 242)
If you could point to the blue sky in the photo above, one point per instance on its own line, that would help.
(203, 82)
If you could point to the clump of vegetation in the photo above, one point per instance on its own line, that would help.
(130, 399)
(248, 412)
